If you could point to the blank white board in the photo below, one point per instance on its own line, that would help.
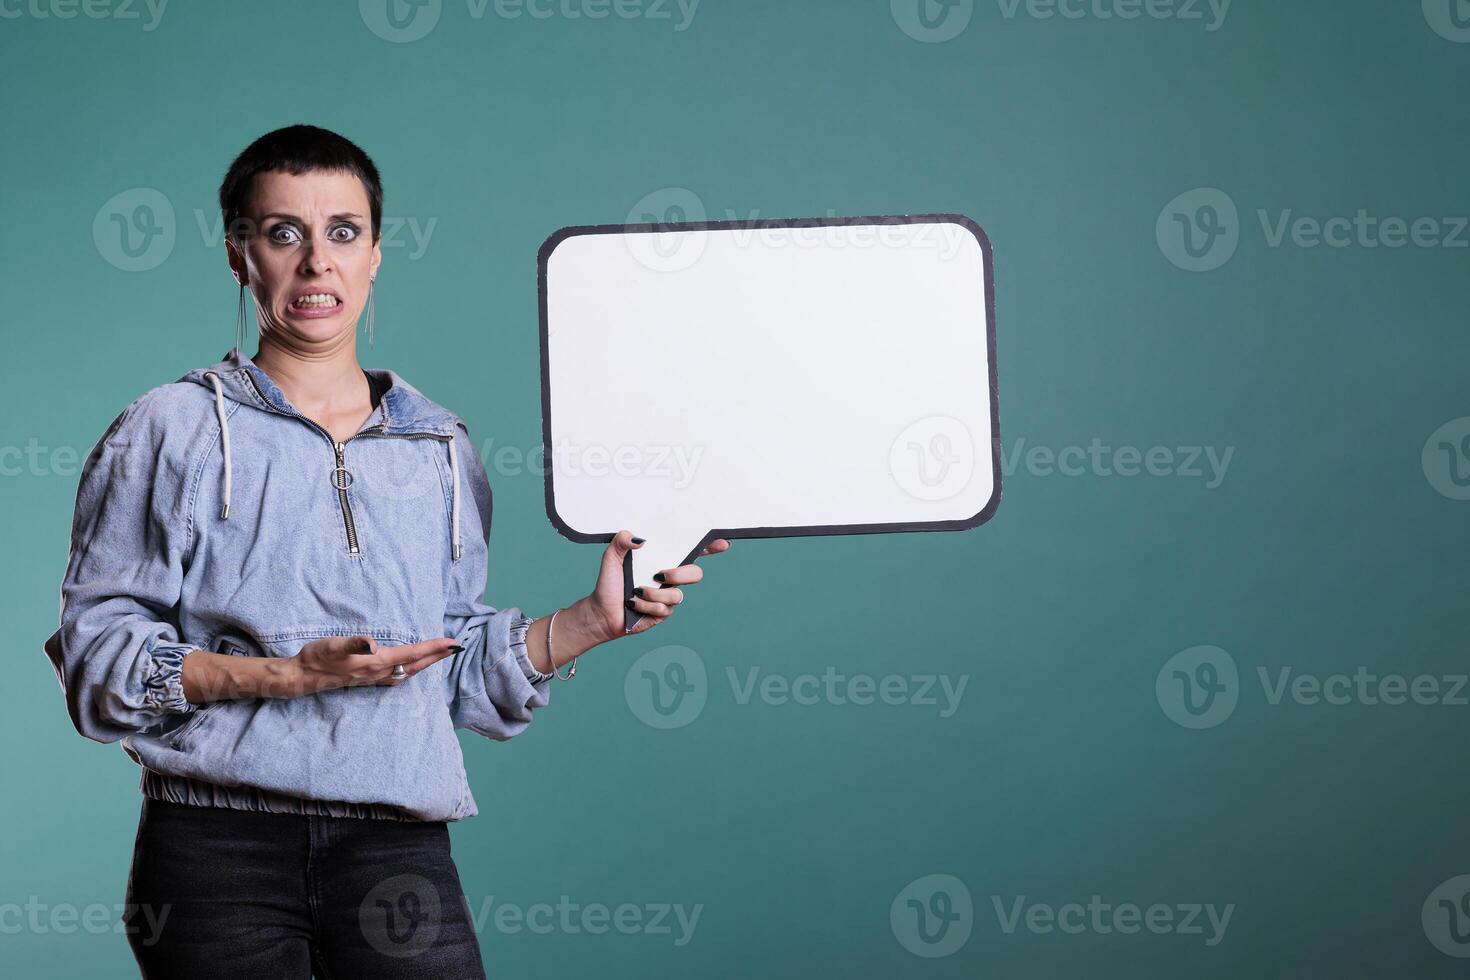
(767, 378)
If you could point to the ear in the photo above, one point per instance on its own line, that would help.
(377, 259)
(236, 258)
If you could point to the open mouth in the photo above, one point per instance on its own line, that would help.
(316, 303)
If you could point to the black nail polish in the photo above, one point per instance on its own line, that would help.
(658, 577)
(457, 648)
(639, 592)
(639, 540)
(628, 603)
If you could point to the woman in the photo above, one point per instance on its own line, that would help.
(274, 601)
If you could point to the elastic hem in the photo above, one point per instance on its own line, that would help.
(174, 788)
(518, 631)
(163, 688)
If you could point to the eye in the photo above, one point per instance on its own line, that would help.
(283, 234)
(344, 232)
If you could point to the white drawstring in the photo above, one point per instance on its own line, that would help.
(454, 498)
(224, 430)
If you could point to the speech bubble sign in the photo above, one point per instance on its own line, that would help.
(767, 378)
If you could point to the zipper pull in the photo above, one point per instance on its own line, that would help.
(341, 483)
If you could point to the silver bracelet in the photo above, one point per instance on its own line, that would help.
(571, 671)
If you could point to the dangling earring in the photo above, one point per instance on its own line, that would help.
(240, 320)
(370, 310)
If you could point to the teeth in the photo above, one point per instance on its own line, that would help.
(317, 299)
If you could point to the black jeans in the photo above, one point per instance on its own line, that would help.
(219, 892)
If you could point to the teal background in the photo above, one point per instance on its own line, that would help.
(1325, 548)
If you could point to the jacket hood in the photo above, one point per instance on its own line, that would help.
(402, 409)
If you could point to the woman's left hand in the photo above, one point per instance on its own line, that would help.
(653, 605)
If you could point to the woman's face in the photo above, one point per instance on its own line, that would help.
(309, 257)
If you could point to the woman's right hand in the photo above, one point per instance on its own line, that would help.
(354, 661)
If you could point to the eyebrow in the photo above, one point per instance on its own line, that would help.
(292, 217)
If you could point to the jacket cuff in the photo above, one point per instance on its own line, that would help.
(163, 688)
(518, 631)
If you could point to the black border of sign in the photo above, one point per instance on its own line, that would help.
(573, 231)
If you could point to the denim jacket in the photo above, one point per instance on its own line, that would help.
(213, 515)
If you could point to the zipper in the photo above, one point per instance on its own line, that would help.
(339, 449)
(342, 499)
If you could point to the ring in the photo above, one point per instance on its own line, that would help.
(398, 672)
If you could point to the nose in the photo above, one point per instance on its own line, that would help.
(314, 256)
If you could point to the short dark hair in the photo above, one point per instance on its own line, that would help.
(297, 150)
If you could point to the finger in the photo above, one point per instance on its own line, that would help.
(668, 596)
(617, 549)
(409, 669)
(407, 653)
(647, 607)
(683, 575)
(432, 657)
(716, 546)
(644, 624)
(412, 667)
